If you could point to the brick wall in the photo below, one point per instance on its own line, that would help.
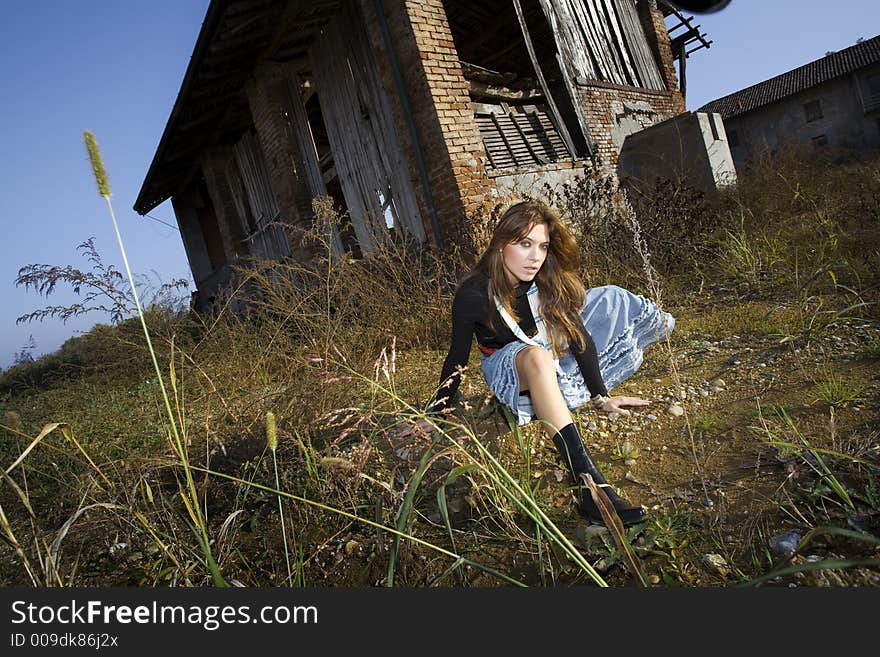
(615, 111)
(447, 131)
(658, 39)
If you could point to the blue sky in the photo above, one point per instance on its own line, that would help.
(115, 66)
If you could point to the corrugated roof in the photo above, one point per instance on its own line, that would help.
(809, 75)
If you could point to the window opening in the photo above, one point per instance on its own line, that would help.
(713, 128)
(874, 86)
(516, 120)
(732, 138)
(813, 110)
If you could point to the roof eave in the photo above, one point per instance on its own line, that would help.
(215, 13)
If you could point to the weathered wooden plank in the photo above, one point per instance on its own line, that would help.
(239, 199)
(531, 50)
(361, 131)
(334, 93)
(620, 74)
(622, 47)
(601, 49)
(577, 60)
(396, 172)
(523, 137)
(306, 146)
(682, 74)
(481, 89)
(255, 177)
(265, 238)
(602, 40)
(493, 162)
(634, 33)
(508, 142)
(570, 75)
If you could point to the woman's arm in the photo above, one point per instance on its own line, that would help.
(588, 362)
(466, 308)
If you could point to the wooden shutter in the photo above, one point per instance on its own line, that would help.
(519, 136)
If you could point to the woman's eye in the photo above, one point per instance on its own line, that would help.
(545, 247)
(525, 244)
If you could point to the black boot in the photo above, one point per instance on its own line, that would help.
(571, 447)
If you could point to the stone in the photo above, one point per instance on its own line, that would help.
(675, 410)
(786, 543)
(715, 564)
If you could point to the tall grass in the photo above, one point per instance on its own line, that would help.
(312, 342)
(189, 496)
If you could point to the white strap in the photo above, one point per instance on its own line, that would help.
(519, 333)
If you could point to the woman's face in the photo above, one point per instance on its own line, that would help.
(523, 259)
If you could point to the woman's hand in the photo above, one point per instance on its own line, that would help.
(616, 404)
(421, 425)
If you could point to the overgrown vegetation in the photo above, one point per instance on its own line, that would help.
(300, 462)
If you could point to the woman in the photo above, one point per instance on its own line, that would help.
(535, 325)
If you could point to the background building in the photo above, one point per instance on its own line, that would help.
(832, 103)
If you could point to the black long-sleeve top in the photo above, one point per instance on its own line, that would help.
(473, 313)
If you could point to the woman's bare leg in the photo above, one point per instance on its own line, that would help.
(537, 374)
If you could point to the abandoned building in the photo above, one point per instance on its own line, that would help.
(409, 114)
(832, 104)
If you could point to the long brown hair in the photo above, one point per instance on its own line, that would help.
(561, 290)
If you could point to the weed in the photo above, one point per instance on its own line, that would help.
(669, 535)
(748, 260)
(871, 349)
(100, 289)
(708, 425)
(625, 451)
(834, 390)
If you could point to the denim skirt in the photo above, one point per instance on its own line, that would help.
(622, 325)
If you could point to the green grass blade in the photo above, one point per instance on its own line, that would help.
(828, 564)
(404, 512)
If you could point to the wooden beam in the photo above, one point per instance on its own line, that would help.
(682, 74)
(563, 129)
(540, 159)
(289, 18)
(501, 93)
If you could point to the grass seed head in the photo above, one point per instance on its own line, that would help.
(97, 164)
(271, 431)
